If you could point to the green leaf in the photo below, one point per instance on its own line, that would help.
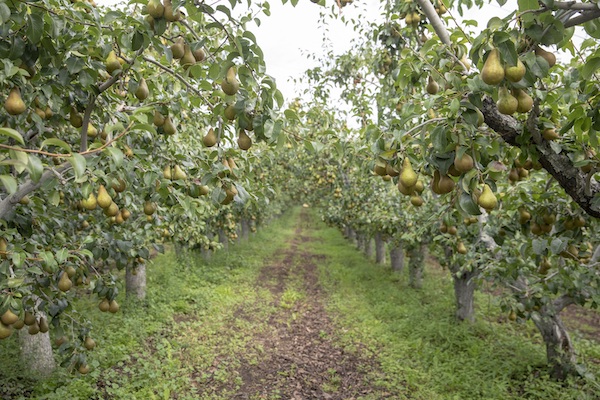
(78, 162)
(116, 154)
(11, 133)
(467, 204)
(539, 246)
(590, 67)
(9, 183)
(525, 5)
(56, 142)
(61, 256)
(558, 246)
(35, 28)
(36, 168)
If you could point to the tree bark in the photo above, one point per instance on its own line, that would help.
(360, 239)
(368, 247)
(223, 239)
(245, 229)
(135, 281)
(36, 353)
(379, 249)
(415, 266)
(464, 291)
(397, 258)
(352, 235)
(559, 348)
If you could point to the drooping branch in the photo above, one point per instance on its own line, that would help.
(582, 18)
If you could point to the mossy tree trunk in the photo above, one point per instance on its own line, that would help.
(135, 281)
(464, 293)
(397, 258)
(416, 266)
(36, 353)
(368, 247)
(223, 239)
(379, 248)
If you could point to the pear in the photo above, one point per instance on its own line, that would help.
(83, 369)
(149, 208)
(416, 200)
(89, 343)
(19, 324)
(550, 134)
(445, 184)
(90, 203)
(119, 185)
(513, 175)
(524, 216)
(43, 324)
(515, 73)
(158, 119)
(188, 58)
(229, 112)
(14, 104)
(168, 126)
(104, 305)
(380, 170)
(104, 200)
(546, 55)
(142, 92)
(178, 48)
(524, 101)
(204, 190)
(5, 330)
(507, 104)
(230, 84)
(232, 164)
(112, 210)
(464, 163)
(169, 14)
(9, 317)
(244, 141)
(199, 54)
(29, 318)
(408, 177)
(492, 72)
(432, 86)
(167, 172)
(155, 8)
(75, 118)
(210, 139)
(112, 62)
(125, 214)
(64, 283)
(92, 131)
(113, 306)
(461, 249)
(404, 190)
(487, 199)
(178, 173)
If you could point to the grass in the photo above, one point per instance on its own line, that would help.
(424, 353)
(186, 340)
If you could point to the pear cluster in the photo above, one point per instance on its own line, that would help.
(104, 200)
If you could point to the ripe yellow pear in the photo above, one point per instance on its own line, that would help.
(463, 163)
(112, 210)
(178, 173)
(461, 248)
(515, 73)
(524, 101)
(14, 104)
(112, 62)
(178, 49)
(492, 72)
(64, 283)
(244, 141)
(9, 317)
(142, 92)
(90, 203)
(5, 330)
(168, 126)
(230, 84)
(416, 200)
(210, 139)
(408, 177)
(158, 119)
(487, 199)
(167, 172)
(507, 104)
(432, 86)
(404, 190)
(104, 200)
(546, 55)
(75, 118)
(155, 8)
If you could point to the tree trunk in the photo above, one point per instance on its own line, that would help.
(464, 291)
(415, 267)
(379, 249)
(559, 349)
(223, 239)
(135, 281)
(360, 239)
(245, 229)
(397, 258)
(368, 247)
(352, 235)
(36, 353)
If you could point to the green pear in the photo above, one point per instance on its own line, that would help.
(507, 104)
(244, 141)
(178, 173)
(104, 200)
(492, 72)
(155, 8)
(112, 62)
(515, 73)
(142, 92)
(408, 177)
(14, 104)
(230, 84)
(487, 199)
(210, 139)
(178, 48)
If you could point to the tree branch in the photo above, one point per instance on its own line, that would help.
(582, 18)
(563, 301)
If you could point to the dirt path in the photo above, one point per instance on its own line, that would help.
(296, 356)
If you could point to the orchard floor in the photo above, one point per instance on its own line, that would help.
(297, 312)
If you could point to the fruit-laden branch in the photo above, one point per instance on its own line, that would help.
(569, 177)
